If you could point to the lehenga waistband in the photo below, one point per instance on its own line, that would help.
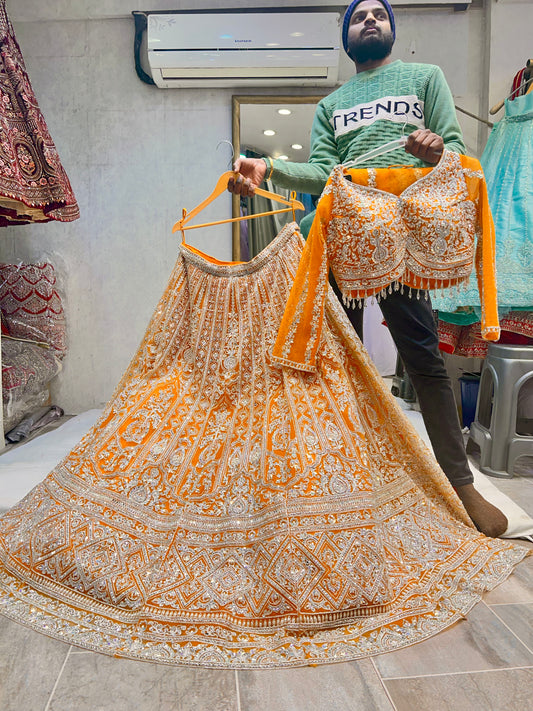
(517, 118)
(226, 269)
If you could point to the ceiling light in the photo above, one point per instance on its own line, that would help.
(297, 146)
(284, 112)
(297, 34)
(269, 132)
(283, 157)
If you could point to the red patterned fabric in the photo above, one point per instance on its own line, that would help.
(517, 88)
(3, 324)
(31, 305)
(448, 336)
(470, 343)
(33, 184)
(519, 323)
(516, 328)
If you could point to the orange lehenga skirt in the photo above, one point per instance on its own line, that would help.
(228, 512)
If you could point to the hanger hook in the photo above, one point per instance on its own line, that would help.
(404, 124)
(232, 159)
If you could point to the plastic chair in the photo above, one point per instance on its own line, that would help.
(505, 370)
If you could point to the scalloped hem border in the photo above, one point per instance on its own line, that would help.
(281, 649)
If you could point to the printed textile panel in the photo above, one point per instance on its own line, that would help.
(31, 305)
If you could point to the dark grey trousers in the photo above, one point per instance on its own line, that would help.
(412, 326)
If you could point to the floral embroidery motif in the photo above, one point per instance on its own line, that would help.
(427, 231)
(385, 228)
(228, 512)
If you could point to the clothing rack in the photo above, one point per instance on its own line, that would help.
(478, 118)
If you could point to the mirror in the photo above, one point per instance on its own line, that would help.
(251, 116)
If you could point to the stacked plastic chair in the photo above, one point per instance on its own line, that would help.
(506, 370)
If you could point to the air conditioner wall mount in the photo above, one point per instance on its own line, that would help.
(231, 49)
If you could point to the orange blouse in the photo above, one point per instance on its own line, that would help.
(378, 229)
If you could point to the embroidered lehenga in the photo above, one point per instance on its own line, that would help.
(229, 512)
(34, 186)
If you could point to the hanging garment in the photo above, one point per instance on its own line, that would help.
(508, 166)
(392, 228)
(227, 512)
(464, 339)
(33, 184)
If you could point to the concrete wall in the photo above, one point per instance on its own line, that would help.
(136, 155)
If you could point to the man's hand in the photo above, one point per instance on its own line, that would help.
(252, 173)
(425, 145)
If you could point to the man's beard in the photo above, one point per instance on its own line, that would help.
(373, 47)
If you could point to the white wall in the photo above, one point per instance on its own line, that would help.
(136, 155)
(511, 44)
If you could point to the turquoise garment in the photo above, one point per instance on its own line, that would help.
(508, 166)
(306, 222)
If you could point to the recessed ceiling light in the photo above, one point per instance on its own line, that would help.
(272, 44)
(283, 157)
(297, 34)
(297, 146)
(284, 112)
(269, 132)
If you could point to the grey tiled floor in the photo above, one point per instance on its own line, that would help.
(483, 663)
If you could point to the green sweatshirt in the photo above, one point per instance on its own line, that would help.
(370, 109)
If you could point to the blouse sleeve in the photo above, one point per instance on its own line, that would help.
(300, 330)
(485, 258)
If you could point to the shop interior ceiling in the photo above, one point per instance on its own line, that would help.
(292, 129)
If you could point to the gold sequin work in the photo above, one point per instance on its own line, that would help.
(226, 511)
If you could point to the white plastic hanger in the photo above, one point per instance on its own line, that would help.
(380, 150)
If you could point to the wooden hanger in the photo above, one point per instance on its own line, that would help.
(220, 187)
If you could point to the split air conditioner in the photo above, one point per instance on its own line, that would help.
(243, 49)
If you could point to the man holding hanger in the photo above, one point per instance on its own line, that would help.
(381, 102)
